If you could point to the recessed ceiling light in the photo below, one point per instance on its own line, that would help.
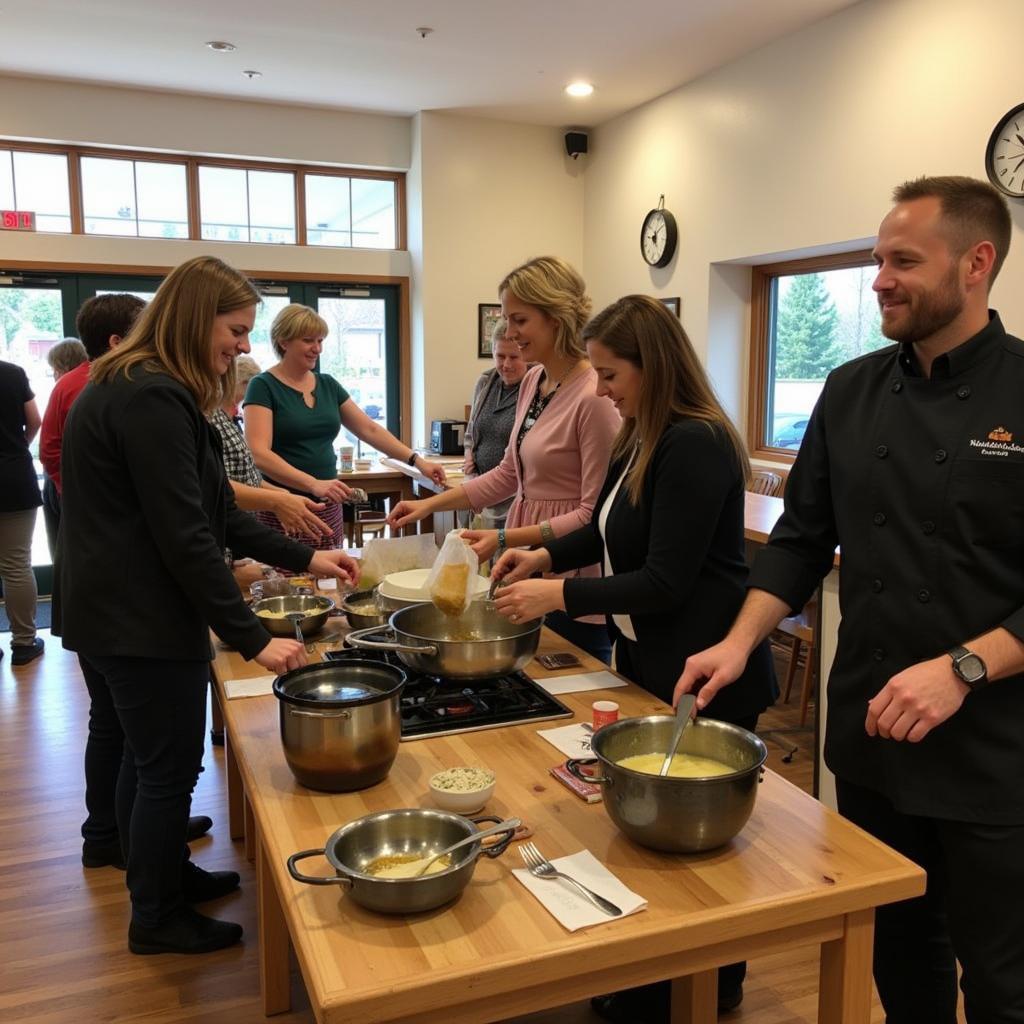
(579, 89)
(250, 74)
(220, 46)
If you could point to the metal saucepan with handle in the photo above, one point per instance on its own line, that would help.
(478, 644)
(415, 832)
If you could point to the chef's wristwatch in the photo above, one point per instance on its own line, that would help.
(969, 667)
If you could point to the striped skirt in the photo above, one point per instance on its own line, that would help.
(331, 515)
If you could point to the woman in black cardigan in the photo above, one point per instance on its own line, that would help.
(141, 578)
(668, 529)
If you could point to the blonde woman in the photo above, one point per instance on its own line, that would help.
(149, 514)
(293, 413)
(561, 438)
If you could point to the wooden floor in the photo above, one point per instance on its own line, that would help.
(63, 928)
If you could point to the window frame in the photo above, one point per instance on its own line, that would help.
(762, 285)
(192, 163)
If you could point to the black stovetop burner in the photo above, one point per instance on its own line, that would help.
(431, 707)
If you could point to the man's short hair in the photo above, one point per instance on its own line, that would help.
(972, 210)
(104, 315)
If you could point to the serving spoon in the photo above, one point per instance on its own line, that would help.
(683, 711)
(415, 868)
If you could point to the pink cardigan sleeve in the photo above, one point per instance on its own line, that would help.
(597, 423)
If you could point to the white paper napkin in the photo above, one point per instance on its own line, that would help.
(581, 681)
(565, 903)
(254, 686)
(572, 740)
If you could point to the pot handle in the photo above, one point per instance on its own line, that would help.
(498, 848)
(355, 638)
(319, 714)
(574, 766)
(341, 880)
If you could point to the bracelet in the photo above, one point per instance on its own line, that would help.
(501, 538)
(411, 461)
(546, 533)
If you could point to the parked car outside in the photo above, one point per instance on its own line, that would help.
(788, 429)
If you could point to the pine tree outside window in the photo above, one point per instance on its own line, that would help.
(808, 317)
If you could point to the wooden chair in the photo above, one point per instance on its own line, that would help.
(368, 522)
(763, 481)
(800, 628)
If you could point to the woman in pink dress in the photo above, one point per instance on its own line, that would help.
(558, 453)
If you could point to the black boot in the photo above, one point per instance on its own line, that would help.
(187, 931)
(198, 886)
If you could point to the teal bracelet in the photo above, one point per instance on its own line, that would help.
(501, 539)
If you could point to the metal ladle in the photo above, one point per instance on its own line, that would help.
(417, 867)
(683, 711)
(296, 620)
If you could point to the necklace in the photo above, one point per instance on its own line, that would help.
(561, 380)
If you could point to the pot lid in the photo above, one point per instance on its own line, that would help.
(339, 684)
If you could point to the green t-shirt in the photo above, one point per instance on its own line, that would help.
(303, 437)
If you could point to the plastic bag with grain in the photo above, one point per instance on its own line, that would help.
(448, 582)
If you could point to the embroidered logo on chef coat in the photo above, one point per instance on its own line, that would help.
(999, 442)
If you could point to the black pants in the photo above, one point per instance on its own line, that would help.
(973, 910)
(592, 637)
(51, 514)
(161, 706)
(730, 976)
(104, 758)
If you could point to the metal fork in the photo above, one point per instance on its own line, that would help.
(540, 867)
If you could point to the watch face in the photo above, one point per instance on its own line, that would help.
(971, 668)
(1004, 158)
(658, 238)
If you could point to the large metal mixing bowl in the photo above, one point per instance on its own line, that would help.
(413, 832)
(479, 644)
(315, 610)
(672, 814)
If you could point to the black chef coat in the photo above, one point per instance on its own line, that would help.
(921, 483)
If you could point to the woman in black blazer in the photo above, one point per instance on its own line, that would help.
(668, 530)
(141, 578)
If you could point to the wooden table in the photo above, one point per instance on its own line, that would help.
(796, 874)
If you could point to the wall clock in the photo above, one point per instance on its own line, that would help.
(658, 236)
(1004, 157)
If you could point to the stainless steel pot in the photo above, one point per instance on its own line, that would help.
(364, 619)
(479, 644)
(417, 832)
(677, 815)
(340, 722)
(315, 611)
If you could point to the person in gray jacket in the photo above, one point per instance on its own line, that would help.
(492, 414)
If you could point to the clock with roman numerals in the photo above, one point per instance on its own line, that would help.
(658, 236)
(1004, 158)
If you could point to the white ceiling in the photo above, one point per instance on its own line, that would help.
(494, 59)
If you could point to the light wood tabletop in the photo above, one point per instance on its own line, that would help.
(796, 874)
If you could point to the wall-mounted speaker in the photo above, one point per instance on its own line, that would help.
(575, 143)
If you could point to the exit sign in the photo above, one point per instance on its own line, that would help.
(17, 220)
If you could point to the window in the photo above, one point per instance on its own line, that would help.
(357, 212)
(134, 197)
(241, 205)
(37, 183)
(807, 318)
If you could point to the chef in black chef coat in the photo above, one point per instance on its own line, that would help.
(913, 462)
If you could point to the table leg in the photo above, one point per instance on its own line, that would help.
(236, 796)
(844, 988)
(250, 831)
(695, 998)
(274, 944)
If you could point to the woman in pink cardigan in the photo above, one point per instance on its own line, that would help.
(557, 455)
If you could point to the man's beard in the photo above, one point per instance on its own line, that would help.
(933, 311)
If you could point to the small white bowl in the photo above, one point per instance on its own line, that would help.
(463, 801)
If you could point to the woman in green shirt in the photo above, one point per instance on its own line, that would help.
(293, 414)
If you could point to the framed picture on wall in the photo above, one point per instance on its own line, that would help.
(672, 304)
(488, 314)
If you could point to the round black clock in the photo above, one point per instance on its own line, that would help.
(1004, 157)
(658, 236)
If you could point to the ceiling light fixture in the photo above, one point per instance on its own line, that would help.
(579, 89)
(250, 74)
(423, 31)
(220, 46)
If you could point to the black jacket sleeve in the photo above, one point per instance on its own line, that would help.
(170, 494)
(683, 521)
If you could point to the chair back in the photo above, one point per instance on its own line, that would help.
(763, 481)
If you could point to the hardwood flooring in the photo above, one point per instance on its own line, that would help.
(63, 928)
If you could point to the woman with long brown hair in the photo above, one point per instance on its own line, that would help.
(668, 531)
(141, 578)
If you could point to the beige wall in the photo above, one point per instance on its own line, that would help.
(490, 194)
(795, 148)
